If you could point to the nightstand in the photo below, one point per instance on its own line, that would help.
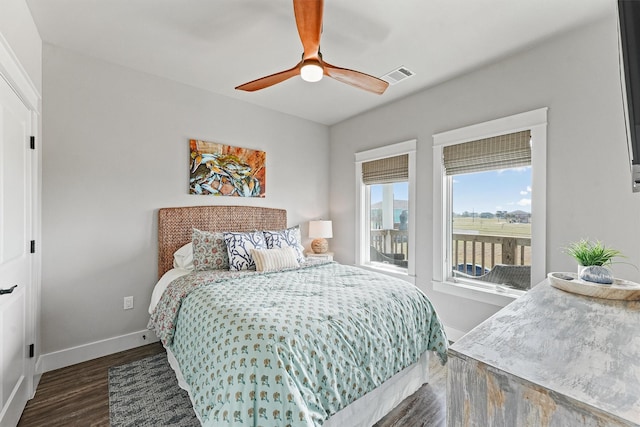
(326, 256)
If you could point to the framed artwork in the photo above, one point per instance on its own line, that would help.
(223, 170)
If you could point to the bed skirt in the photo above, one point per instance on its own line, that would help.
(371, 407)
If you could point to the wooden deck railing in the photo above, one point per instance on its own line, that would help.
(487, 251)
(472, 249)
(391, 241)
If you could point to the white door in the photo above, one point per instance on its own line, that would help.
(15, 256)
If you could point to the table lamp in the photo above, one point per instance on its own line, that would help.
(320, 231)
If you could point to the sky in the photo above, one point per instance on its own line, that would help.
(504, 190)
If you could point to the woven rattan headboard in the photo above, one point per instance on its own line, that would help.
(175, 225)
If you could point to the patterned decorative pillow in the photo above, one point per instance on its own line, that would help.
(239, 247)
(209, 251)
(289, 237)
(274, 259)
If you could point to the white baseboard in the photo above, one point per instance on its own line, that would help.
(36, 382)
(70, 356)
(453, 334)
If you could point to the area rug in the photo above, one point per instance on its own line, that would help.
(146, 393)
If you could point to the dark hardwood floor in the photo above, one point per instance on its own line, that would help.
(427, 406)
(78, 395)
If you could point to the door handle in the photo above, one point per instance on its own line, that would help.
(8, 291)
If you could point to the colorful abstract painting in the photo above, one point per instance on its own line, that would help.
(223, 170)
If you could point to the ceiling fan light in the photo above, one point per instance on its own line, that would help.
(311, 72)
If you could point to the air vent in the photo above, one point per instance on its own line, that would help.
(397, 75)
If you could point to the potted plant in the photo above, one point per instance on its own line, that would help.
(593, 259)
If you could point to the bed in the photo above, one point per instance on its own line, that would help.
(298, 345)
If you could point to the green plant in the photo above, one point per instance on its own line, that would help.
(589, 253)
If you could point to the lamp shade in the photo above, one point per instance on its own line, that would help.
(320, 229)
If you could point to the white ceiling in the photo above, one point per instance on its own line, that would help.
(218, 44)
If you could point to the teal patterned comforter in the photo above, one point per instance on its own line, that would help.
(292, 348)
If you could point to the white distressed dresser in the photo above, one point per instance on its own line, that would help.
(550, 358)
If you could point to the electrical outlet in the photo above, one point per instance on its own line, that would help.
(128, 303)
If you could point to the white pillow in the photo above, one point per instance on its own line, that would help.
(183, 257)
(274, 259)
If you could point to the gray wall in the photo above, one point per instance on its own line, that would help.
(116, 150)
(19, 30)
(588, 178)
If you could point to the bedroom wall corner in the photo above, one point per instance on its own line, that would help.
(575, 74)
(19, 30)
(117, 151)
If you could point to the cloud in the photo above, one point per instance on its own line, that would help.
(524, 202)
(525, 192)
(519, 169)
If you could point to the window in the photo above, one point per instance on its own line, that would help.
(489, 216)
(385, 183)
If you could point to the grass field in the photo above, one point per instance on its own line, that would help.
(491, 227)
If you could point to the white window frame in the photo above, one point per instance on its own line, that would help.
(536, 122)
(363, 216)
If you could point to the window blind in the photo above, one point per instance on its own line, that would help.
(387, 170)
(498, 152)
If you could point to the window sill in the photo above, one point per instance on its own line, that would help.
(489, 294)
(390, 271)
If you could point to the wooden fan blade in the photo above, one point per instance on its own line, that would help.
(356, 78)
(309, 21)
(271, 80)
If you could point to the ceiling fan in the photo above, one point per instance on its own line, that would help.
(312, 67)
